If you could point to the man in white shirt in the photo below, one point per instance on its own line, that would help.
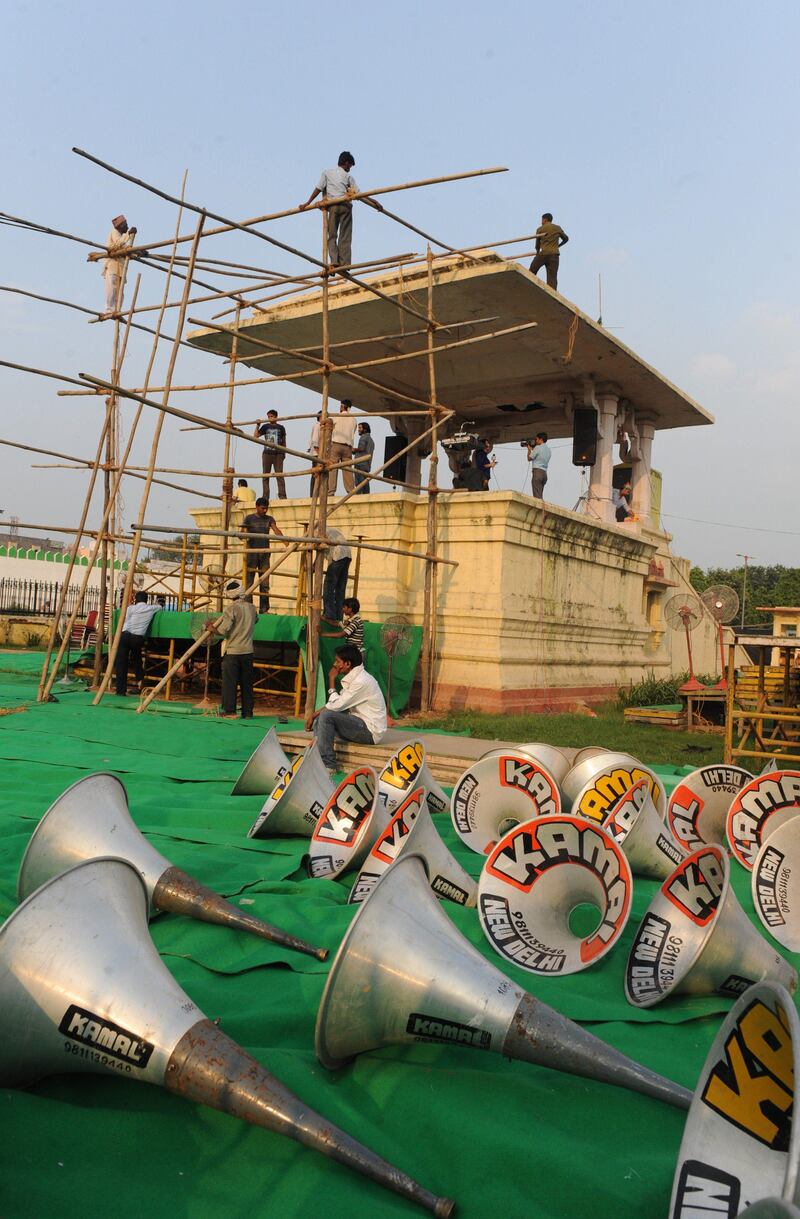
(356, 712)
(341, 446)
(131, 641)
(338, 183)
(334, 586)
(119, 239)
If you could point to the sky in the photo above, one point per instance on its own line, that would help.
(663, 137)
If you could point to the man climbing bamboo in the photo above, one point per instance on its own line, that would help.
(339, 183)
(120, 238)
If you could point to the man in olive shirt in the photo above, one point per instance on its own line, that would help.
(258, 525)
(549, 240)
(237, 625)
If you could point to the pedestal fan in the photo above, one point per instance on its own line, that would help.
(722, 603)
(683, 612)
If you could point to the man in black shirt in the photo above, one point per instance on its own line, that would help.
(258, 526)
(271, 458)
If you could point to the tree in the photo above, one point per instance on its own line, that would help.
(775, 585)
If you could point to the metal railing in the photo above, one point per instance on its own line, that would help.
(38, 598)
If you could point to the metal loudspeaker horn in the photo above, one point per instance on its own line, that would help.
(760, 807)
(634, 824)
(91, 819)
(404, 973)
(740, 1143)
(348, 825)
(553, 759)
(695, 938)
(268, 764)
(535, 880)
(412, 829)
(82, 988)
(698, 807)
(404, 771)
(498, 792)
(593, 787)
(776, 884)
(772, 1208)
(295, 804)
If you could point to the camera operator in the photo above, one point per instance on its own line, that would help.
(539, 457)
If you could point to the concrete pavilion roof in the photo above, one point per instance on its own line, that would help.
(508, 386)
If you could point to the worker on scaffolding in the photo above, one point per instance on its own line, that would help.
(549, 240)
(339, 183)
(236, 626)
(120, 238)
(257, 526)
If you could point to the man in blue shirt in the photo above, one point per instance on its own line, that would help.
(539, 457)
(131, 641)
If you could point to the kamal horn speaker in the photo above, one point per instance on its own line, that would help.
(406, 769)
(552, 759)
(498, 792)
(593, 786)
(91, 819)
(698, 807)
(762, 805)
(295, 804)
(405, 974)
(776, 884)
(648, 845)
(267, 765)
(541, 885)
(82, 988)
(740, 1151)
(411, 829)
(695, 939)
(347, 826)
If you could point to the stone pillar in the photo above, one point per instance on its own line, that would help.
(598, 498)
(640, 477)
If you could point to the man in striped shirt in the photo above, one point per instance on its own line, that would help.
(352, 627)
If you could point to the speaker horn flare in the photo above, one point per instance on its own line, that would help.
(348, 825)
(698, 806)
(740, 1144)
(762, 805)
(595, 785)
(634, 824)
(498, 792)
(406, 769)
(553, 759)
(404, 974)
(265, 768)
(776, 884)
(696, 939)
(91, 819)
(84, 989)
(300, 796)
(412, 829)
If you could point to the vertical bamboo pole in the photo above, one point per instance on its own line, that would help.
(430, 596)
(137, 541)
(318, 523)
(109, 502)
(359, 538)
(730, 703)
(227, 486)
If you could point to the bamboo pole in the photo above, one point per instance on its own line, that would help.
(129, 473)
(112, 652)
(229, 225)
(430, 594)
(53, 300)
(118, 473)
(309, 540)
(227, 486)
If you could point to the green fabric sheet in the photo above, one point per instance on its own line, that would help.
(505, 1139)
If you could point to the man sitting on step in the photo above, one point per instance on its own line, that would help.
(355, 712)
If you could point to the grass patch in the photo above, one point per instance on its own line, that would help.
(649, 743)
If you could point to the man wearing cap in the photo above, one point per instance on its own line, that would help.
(120, 238)
(549, 240)
(236, 626)
(338, 183)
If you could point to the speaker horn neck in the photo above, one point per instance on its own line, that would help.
(206, 1066)
(179, 893)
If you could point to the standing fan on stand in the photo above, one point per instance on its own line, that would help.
(197, 628)
(395, 641)
(722, 603)
(683, 612)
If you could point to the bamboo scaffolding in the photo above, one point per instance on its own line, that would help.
(48, 681)
(227, 486)
(112, 651)
(82, 463)
(229, 225)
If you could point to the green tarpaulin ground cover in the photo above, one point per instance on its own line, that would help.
(503, 1139)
